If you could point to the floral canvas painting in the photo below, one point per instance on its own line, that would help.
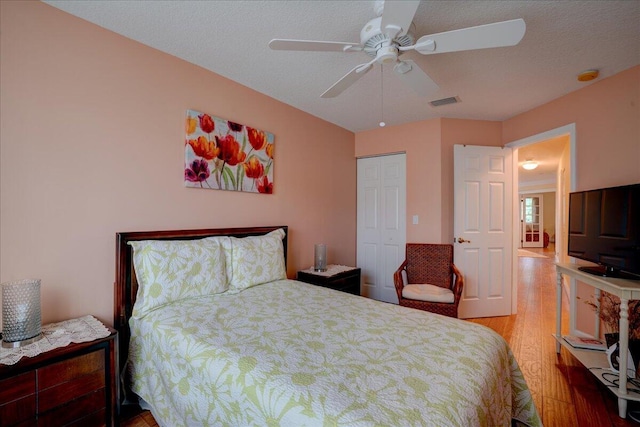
(223, 155)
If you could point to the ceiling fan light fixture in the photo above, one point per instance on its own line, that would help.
(530, 165)
(387, 55)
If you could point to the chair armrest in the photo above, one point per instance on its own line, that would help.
(397, 279)
(457, 284)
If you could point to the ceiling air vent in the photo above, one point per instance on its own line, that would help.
(445, 101)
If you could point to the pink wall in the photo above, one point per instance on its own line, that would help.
(421, 143)
(91, 143)
(607, 118)
(429, 148)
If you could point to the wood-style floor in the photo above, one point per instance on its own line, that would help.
(564, 391)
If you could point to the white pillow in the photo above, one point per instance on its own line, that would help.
(431, 293)
(172, 270)
(255, 260)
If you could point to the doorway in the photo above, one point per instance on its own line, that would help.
(532, 221)
(562, 185)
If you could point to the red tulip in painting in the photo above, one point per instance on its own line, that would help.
(225, 155)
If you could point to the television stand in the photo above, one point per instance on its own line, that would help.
(604, 271)
(625, 290)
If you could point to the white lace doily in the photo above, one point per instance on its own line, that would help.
(332, 269)
(82, 329)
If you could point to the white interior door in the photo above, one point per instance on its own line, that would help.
(532, 221)
(381, 223)
(483, 229)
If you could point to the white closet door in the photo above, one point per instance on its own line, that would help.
(381, 223)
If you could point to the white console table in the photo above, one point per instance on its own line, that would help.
(626, 290)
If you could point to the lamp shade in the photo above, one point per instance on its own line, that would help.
(530, 165)
(21, 315)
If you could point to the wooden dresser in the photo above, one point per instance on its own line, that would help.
(74, 385)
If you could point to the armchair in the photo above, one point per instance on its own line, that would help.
(428, 280)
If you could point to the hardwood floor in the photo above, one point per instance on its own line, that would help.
(564, 391)
(133, 417)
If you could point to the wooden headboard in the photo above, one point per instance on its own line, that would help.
(126, 285)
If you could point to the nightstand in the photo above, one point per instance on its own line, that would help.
(72, 385)
(338, 277)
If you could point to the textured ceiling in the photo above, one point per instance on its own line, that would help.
(231, 38)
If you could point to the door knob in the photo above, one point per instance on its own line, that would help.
(461, 240)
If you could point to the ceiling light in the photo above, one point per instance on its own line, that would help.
(529, 165)
(588, 75)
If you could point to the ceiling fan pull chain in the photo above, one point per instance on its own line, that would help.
(382, 123)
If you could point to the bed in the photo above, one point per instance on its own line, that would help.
(254, 348)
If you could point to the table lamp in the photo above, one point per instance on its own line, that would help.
(320, 257)
(21, 315)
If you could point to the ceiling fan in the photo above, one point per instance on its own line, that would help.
(388, 36)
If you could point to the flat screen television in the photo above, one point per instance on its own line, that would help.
(604, 228)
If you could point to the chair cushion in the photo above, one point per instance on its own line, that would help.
(430, 293)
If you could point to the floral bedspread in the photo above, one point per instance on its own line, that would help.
(287, 353)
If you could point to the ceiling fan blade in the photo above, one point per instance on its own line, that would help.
(350, 78)
(498, 34)
(313, 45)
(414, 77)
(398, 15)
